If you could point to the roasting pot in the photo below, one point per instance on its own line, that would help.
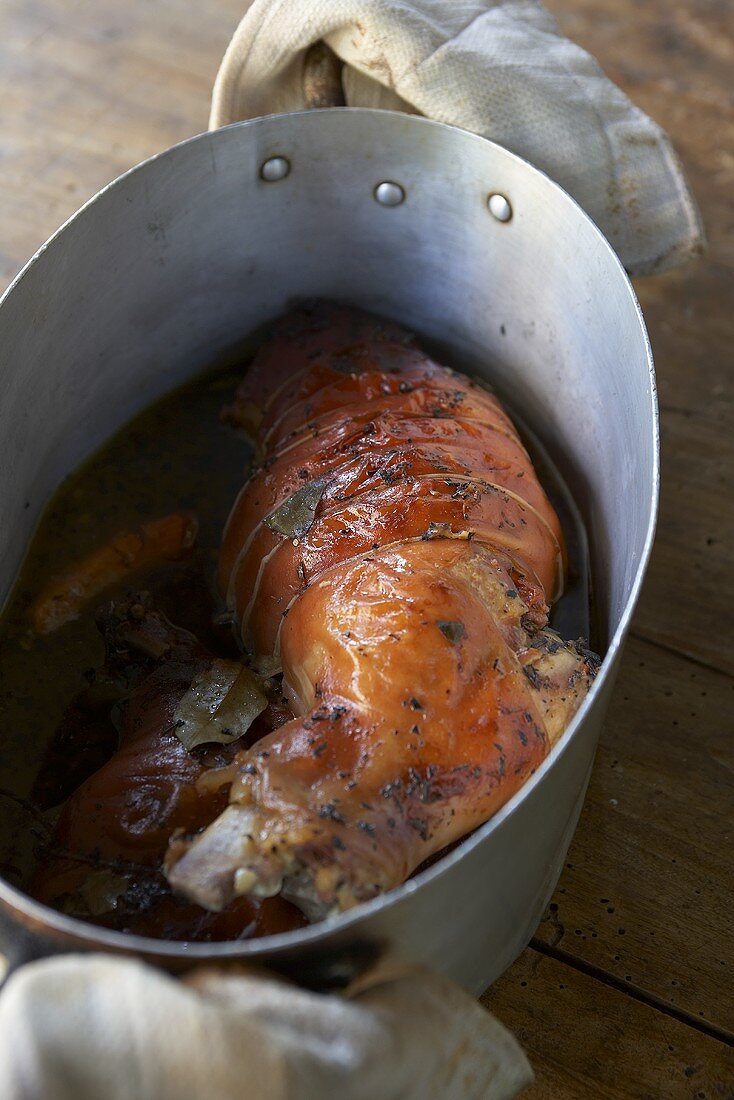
(484, 256)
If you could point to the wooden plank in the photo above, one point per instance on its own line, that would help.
(89, 89)
(675, 61)
(586, 1040)
(646, 894)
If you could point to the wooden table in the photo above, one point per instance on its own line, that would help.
(626, 987)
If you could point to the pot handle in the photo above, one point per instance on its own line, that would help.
(322, 83)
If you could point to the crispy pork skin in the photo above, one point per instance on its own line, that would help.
(395, 554)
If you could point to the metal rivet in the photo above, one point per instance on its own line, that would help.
(389, 193)
(274, 169)
(499, 207)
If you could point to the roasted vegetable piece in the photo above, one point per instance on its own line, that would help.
(397, 555)
(161, 540)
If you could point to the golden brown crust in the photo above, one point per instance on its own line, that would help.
(398, 550)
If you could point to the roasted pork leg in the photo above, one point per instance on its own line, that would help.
(396, 555)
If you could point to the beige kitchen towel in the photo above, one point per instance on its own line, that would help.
(87, 1027)
(496, 67)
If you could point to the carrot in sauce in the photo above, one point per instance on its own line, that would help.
(164, 539)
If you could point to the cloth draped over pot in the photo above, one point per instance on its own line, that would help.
(84, 1027)
(499, 68)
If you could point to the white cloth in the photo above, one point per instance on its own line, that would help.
(86, 1027)
(496, 67)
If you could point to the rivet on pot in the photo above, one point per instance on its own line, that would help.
(499, 207)
(274, 169)
(389, 193)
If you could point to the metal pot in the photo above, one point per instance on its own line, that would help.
(456, 238)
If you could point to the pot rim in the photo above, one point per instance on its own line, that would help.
(284, 942)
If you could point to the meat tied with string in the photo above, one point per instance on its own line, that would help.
(396, 555)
